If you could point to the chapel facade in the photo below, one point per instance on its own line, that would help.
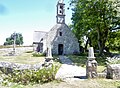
(60, 38)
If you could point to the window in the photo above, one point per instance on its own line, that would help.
(61, 7)
(60, 33)
(60, 11)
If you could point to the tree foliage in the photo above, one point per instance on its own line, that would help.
(113, 41)
(95, 19)
(18, 39)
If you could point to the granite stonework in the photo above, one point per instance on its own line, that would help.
(68, 39)
(113, 71)
(91, 64)
(17, 66)
(8, 67)
(60, 38)
(91, 69)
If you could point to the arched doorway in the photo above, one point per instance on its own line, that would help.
(60, 49)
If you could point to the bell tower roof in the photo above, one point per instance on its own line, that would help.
(60, 18)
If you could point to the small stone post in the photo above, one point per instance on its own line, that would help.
(91, 65)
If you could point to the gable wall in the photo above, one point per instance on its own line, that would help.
(67, 39)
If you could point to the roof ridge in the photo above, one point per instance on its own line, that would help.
(41, 31)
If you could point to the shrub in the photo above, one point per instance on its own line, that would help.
(38, 54)
(33, 76)
(101, 60)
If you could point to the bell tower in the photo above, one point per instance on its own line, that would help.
(60, 18)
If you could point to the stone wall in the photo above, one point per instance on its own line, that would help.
(68, 39)
(113, 71)
(8, 67)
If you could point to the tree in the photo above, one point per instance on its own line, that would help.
(95, 19)
(18, 39)
(113, 41)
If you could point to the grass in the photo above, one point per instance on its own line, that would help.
(78, 60)
(89, 83)
(38, 55)
(56, 59)
(23, 58)
(27, 58)
(81, 61)
(11, 46)
(100, 69)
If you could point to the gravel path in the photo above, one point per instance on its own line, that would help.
(68, 70)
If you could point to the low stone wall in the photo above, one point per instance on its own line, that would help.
(114, 58)
(8, 67)
(17, 66)
(113, 71)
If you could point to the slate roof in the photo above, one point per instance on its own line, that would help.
(38, 35)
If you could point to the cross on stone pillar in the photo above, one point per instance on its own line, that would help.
(91, 65)
(14, 41)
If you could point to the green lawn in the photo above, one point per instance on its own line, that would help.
(81, 61)
(89, 83)
(23, 58)
(78, 60)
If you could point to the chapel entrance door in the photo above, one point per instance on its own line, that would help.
(60, 49)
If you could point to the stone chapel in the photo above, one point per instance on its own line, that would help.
(60, 38)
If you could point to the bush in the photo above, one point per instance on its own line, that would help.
(101, 60)
(33, 76)
(38, 54)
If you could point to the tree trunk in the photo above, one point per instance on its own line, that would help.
(88, 42)
(102, 37)
(100, 43)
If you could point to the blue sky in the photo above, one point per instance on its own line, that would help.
(27, 16)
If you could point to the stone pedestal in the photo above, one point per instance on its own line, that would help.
(91, 65)
(48, 58)
(49, 53)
